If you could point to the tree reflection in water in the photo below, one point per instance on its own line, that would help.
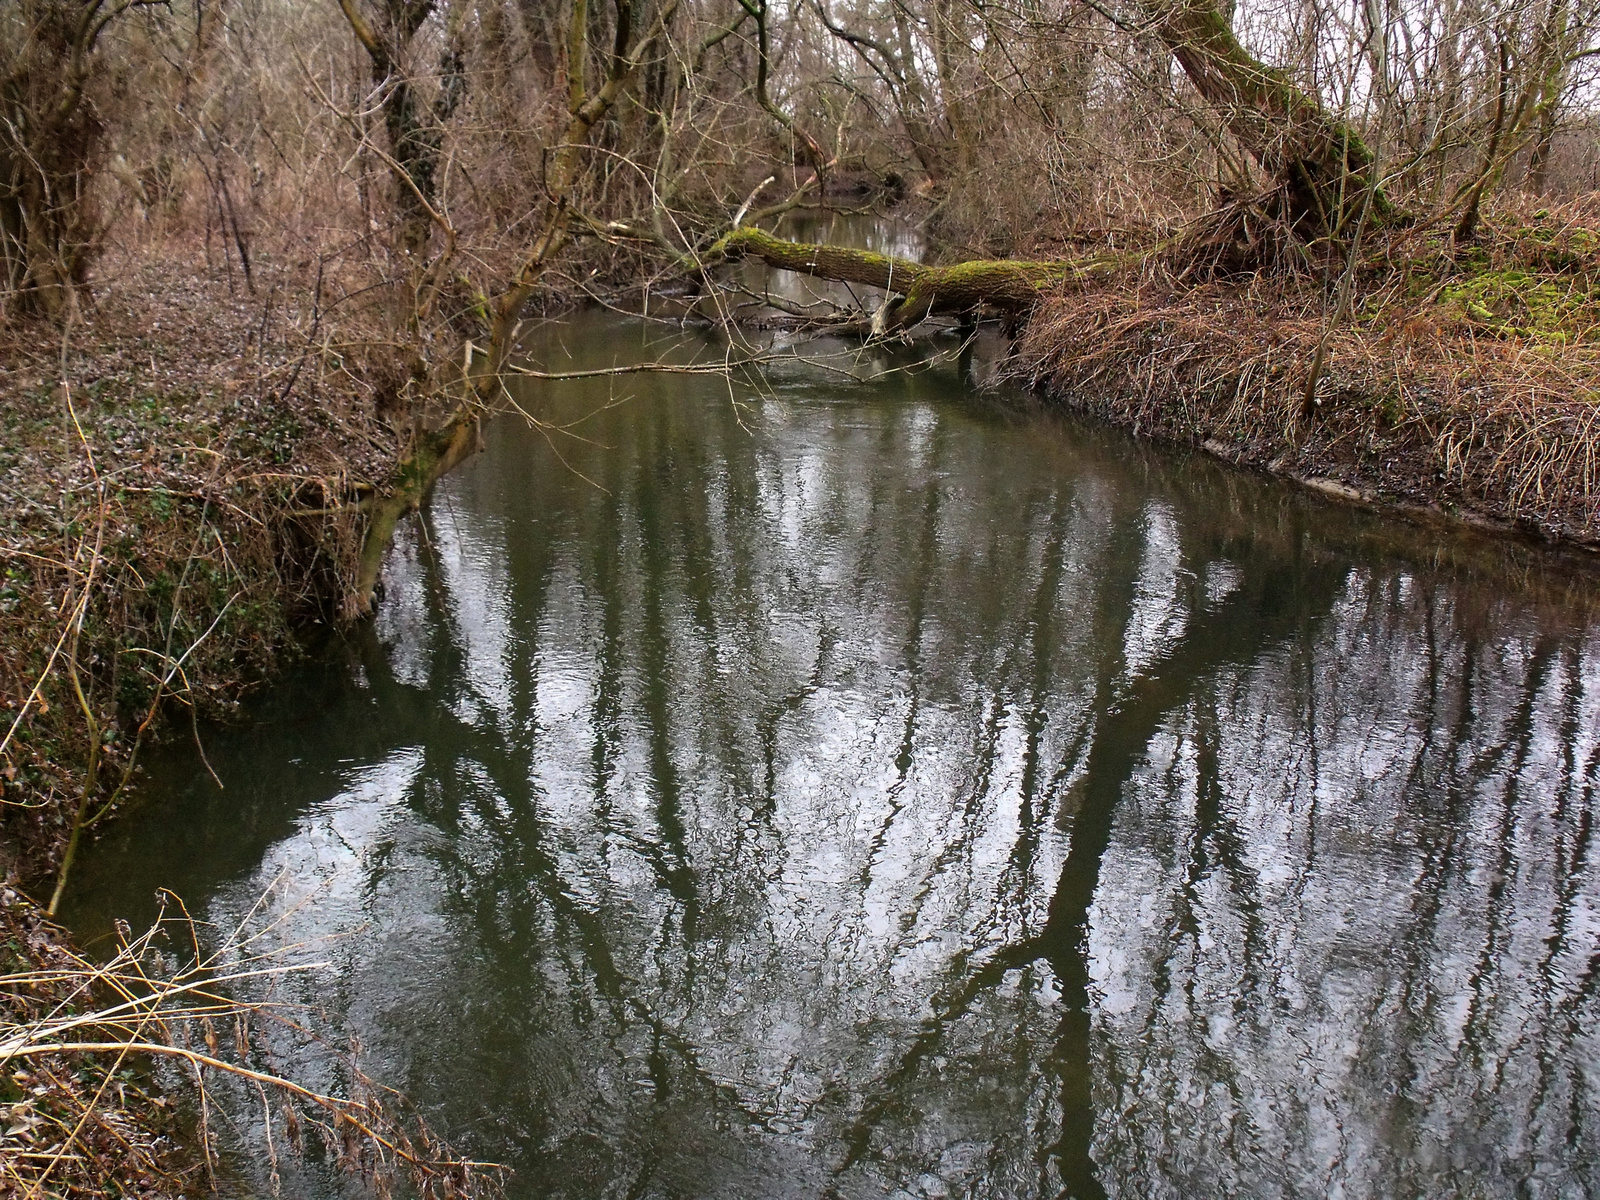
(871, 793)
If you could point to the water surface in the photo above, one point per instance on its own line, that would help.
(829, 789)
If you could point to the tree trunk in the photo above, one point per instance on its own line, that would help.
(1559, 42)
(917, 291)
(1323, 166)
(1543, 148)
(433, 455)
(435, 452)
(416, 133)
(810, 149)
(47, 232)
(49, 133)
(1543, 80)
(896, 65)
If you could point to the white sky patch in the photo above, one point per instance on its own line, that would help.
(1158, 615)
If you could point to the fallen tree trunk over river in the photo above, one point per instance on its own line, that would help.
(915, 291)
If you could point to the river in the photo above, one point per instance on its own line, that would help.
(828, 787)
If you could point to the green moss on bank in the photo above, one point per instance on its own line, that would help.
(1536, 279)
(1467, 382)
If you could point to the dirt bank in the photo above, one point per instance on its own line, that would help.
(181, 470)
(1461, 382)
(180, 475)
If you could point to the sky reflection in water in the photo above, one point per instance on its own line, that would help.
(873, 791)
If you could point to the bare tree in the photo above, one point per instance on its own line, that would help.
(415, 129)
(50, 132)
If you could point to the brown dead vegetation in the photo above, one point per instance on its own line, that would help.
(111, 1070)
(283, 251)
(55, 1135)
(181, 482)
(1465, 381)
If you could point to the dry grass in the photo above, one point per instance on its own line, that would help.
(182, 478)
(57, 1133)
(1461, 378)
(91, 1053)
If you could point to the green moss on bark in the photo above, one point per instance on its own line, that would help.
(917, 290)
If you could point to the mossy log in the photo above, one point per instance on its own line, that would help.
(917, 291)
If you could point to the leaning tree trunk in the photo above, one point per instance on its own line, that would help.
(437, 450)
(1322, 165)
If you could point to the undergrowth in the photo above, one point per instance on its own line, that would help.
(116, 1072)
(1465, 378)
(180, 481)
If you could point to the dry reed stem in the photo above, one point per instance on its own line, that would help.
(70, 1017)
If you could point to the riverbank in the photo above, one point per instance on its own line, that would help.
(72, 1124)
(839, 647)
(180, 477)
(1464, 385)
(184, 474)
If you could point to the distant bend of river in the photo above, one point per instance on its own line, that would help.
(828, 789)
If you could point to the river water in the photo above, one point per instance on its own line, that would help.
(807, 787)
